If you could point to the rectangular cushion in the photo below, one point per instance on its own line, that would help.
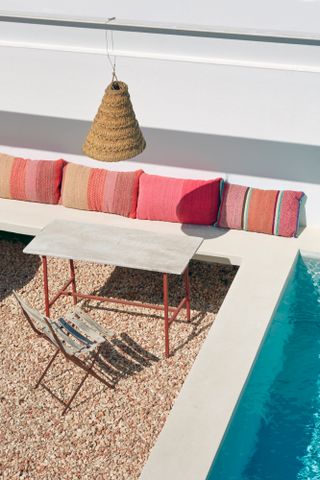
(30, 180)
(178, 199)
(266, 211)
(100, 190)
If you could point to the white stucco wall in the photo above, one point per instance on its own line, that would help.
(250, 112)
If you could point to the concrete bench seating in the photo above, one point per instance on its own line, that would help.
(220, 245)
(196, 424)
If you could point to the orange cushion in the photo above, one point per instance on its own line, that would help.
(100, 190)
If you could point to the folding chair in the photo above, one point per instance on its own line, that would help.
(77, 336)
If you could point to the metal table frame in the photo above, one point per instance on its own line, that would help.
(64, 291)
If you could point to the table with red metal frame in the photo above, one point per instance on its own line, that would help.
(64, 239)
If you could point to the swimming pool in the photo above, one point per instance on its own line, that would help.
(274, 433)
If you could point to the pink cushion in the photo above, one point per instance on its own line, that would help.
(178, 200)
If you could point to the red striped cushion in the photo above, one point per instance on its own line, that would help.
(30, 180)
(178, 199)
(100, 190)
(266, 211)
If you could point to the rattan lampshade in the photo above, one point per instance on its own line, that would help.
(115, 133)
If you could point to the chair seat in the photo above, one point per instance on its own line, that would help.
(79, 333)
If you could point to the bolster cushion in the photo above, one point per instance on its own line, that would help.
(266, 211)
(100, 190)
(178, 199)
(30, 180)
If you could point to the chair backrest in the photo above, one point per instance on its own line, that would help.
(38, 322)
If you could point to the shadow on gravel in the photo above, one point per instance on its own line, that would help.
(209, 284)
(16, 268)
(206, 280)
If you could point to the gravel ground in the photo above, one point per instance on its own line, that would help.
(107, 434)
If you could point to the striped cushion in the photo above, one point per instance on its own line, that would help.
(100, 190)
(178, 200)
(266, 211)
(30, 180)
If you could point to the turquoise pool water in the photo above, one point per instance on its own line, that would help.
(274, 433)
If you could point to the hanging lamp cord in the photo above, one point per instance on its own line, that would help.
(112, 61)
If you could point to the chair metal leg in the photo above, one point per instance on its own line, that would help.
(101, 379)
(47, 368)
(89, 371)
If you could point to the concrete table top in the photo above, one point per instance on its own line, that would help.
(111, 245)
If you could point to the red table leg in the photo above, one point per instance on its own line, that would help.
(73, 282)
(45, 285)
(187, 289)
(166, 314)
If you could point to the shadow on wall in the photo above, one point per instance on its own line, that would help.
(241, 156)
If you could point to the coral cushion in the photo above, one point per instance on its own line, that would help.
(100, 190)
(30, 180)
(266, 211)
(178, 199)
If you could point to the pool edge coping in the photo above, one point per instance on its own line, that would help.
(191, 437)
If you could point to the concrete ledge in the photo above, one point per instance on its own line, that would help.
(192, 434)
(219, 245)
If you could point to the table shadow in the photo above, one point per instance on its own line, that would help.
(143, 286)
(17, 268)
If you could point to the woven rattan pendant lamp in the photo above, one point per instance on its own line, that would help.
(115, 133)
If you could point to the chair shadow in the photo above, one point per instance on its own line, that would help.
(119, 359)
(17, 268)
(123, 357)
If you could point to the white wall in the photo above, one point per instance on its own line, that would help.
(298, 15)
(250, 112)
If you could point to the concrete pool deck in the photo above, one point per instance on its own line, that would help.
(195, 427)
(193, 431)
